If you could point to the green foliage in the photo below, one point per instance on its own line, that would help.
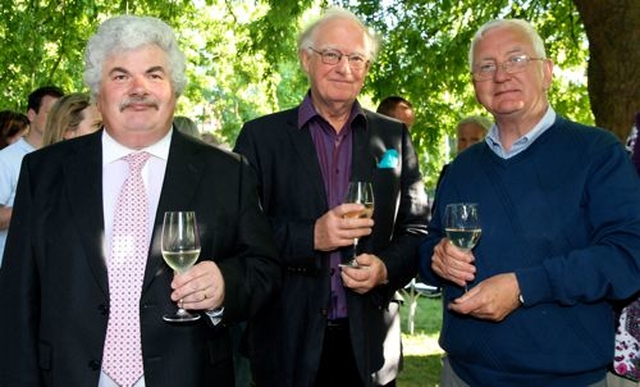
(424, 58)
(38, 47)
(243, 60)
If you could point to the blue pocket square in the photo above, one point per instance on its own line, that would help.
(389, 159)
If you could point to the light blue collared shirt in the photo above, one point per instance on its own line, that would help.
(493, 138)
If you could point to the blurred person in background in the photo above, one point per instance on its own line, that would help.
(626, 367)
(398, 108)
(471, 130)
(39, 103)
(633, 145)
(186, 125)
(13, 125)
(71, 116)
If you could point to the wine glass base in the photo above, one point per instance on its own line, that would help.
(352, 264)
(187, 317)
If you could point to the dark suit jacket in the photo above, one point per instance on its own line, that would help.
(54, 277)
(285, 342)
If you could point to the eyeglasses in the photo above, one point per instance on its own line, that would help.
(333, 57)
(513, 65)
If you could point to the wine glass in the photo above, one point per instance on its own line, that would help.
(180, 250)
(360, 192)
(462, 226)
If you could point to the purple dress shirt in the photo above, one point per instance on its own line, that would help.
(334, 150)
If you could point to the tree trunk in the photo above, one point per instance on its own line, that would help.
(613, 30)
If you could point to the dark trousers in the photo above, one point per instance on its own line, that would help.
(337, 364)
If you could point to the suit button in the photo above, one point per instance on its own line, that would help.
(104, 309)
(94, 365)
(324, 312)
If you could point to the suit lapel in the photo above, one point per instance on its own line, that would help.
(83, 182)
(362, 161)
(306, 150)
(181, 178)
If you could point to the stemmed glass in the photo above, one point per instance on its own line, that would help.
(462, 226)
(180, 250)
(360, 192)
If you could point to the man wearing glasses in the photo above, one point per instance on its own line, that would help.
(560, 216)
(334, 326)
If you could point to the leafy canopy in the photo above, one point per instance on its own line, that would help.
(243, 61)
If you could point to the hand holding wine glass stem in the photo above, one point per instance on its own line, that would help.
(359, 192)
(365, 213)
(180, 250)
(465, 262)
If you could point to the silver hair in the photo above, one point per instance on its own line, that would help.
(308, 37)
(128, 32)
(526, 27)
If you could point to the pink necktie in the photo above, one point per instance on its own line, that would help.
(122, 357)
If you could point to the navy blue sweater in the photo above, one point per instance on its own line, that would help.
(564, 216)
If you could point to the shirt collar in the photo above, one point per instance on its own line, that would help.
(307, 112)
(493, 137)
(113, 150)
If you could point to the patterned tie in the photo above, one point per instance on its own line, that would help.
(122, 357)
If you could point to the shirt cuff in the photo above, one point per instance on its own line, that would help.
(215, 315)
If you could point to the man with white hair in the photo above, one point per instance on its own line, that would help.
(335, 325)
(559, 206)
(84, 279)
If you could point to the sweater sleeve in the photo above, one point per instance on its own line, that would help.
(607, 266)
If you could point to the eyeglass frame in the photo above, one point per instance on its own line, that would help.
(323, 53)
(510, 66)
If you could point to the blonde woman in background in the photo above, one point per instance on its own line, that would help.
(71, 116)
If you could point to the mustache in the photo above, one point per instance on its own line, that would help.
(144, 100)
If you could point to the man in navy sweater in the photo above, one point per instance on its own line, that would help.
(560, 216)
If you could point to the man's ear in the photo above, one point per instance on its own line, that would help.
(548, 73)
(31, 115)
(304, 60)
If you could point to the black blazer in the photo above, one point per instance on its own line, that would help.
(285, 342)
(54, 277)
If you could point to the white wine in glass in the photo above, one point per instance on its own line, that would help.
(360, 192)
(180, 250)
(462, 225)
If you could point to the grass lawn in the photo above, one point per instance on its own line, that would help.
(421, 351)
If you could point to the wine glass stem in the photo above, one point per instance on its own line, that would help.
(355, 248)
